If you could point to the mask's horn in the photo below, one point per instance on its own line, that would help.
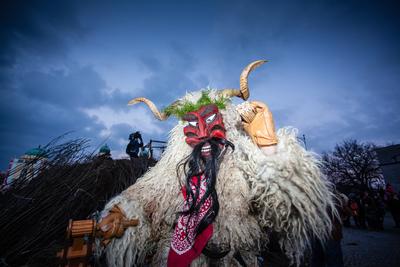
(159, 115)
(244, 89)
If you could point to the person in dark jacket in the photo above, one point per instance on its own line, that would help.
(135, 143)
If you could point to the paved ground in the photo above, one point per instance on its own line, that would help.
(364, 248)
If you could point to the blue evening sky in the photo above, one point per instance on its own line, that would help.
(334, 69)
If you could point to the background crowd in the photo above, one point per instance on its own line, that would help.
(367, 208)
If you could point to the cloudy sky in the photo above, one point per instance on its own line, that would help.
(334, 69)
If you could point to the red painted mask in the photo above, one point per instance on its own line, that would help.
(204, 123)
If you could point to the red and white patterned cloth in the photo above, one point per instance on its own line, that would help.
(185, 247)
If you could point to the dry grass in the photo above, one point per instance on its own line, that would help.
(72, 184)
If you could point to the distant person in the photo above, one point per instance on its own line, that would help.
(380, 206)
(135, 143)
(374, 211)
(363, 203)
(393, 203)
(145, 152)
(347, 212)
(355, 213)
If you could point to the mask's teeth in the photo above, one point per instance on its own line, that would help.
(206, 148)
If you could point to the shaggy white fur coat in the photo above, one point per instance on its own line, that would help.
(283, 193)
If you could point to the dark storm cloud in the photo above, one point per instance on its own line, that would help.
(43, 90)
(333, 71)
(121, 132)
(170, 78)
(42, 106)
(38, 27)
(334, 64)
(116, 99)
(254, 24)
(77, 88)
(74, 88)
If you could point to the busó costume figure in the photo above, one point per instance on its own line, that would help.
(225, 182)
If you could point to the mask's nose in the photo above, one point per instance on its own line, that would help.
(203, 131)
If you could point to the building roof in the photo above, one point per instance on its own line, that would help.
(36, 152)
(105, 149)
(388, 154)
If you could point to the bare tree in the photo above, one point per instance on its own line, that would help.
(352, 164)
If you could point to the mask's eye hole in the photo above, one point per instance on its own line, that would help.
(211, 118)
(192, 123)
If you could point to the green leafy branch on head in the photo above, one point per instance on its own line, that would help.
(186, 106)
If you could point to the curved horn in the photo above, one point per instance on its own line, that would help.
(244, 89)
(230, 92)
(159, 115)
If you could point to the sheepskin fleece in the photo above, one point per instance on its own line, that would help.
(284, 193)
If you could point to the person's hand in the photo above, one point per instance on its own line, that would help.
(114, 225)
(258, 123)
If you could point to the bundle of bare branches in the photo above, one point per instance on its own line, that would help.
(69, 183)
